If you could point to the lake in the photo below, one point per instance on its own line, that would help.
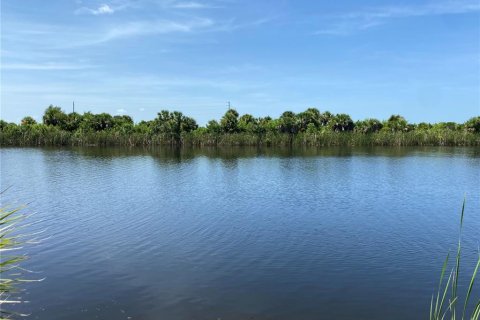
(242, 233)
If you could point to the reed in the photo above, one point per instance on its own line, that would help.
(447, 304)
(53, 136)
(309, 128)
(12, 275)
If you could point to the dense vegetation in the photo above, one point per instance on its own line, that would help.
(11, 273)
(311, 127)
(451, 306)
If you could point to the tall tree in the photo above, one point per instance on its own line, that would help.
(396, 123)
(173, 124)
(288, 123)
(473, 124)
(341, 122)
(28, 121)
(368, 126)
(214, 127)
(311, 116)
(54, 116)
(247, 123)
(229, 121)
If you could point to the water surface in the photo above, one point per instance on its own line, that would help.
(333, 233)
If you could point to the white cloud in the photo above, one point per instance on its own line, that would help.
(56, 37)
(102, 9)
(351, 22)
(153, 27)
(190, 5)
(43, 66)
(141, 109)
(121, 111)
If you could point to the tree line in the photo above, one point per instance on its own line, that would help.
(233, 128)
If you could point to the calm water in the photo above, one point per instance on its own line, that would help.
(242, 233)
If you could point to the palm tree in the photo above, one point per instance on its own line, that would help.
(54, 116)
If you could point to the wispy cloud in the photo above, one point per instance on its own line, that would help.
(351, 22)
(190, 5)
(44, 66)
(140, 28)
(121, 111)
(102, 9)
(166, 5)
(233, 24)
(56, 38)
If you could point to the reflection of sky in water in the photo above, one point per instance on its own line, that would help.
(239, 233)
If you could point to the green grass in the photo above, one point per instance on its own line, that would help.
(54, 136)
(447, 304)
(12, 275)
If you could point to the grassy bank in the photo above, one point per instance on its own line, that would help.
(51, 136)
(309, 128)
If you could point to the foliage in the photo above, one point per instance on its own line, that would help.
(54, 116)
(173, 124)
(229, 122)
(288, 123)
(310, 127)
(214, 127)
(396, 123)
(11, 274)
(368, 126)
(341, 122)
(439, 306)
(247, 123)
(28, 121)
(473, 125)
(310, 118)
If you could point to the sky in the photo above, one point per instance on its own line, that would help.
(420, 59)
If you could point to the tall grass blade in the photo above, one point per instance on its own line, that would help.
(472, 280)
(437, 311)
(476, 312)
(457, 260)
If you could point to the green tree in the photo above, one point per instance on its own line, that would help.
(28, 121)
(396, 123)
(144, 127)
(72, 122)
(311, 116)
(173, 124)
(266, 124)
(341, 122)
(325, 118)
(214, 127)
(288, 123)
(3, 124)
(473, 124)
(163, 122)
(102, 121)
(423, 126)
(368, 126)
(452, 126)
(188, 124)
(229, 121)
(54, 116)
(96, 122)
(247, 123)
(123, 124)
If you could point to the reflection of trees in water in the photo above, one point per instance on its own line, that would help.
(229, 155)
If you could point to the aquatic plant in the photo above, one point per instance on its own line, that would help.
(452, 308)
(11, 273)
(308, 128)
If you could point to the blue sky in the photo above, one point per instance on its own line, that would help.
(367, 58)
